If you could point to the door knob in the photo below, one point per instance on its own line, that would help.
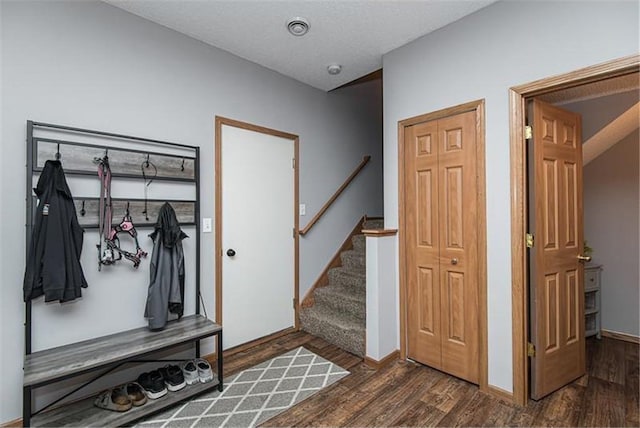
(231, 252)
(454, 261)
(584, 258)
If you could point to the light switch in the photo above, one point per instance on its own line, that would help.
(303, 209)
(206, 225)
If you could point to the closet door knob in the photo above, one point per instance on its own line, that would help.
(231, 252)
(454, 261)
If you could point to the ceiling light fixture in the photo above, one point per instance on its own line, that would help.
(298, 26)
(334, 69)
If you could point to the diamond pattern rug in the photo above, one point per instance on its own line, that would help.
(256, 394)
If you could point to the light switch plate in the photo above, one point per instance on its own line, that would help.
(207, 225)
(303, 209)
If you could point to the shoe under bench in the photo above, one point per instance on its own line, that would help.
(63, 362)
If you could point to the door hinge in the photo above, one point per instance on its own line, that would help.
(531, 350)
(529, 239)
(528, 132)
(294, 303)
(293, 163)
(294, 233)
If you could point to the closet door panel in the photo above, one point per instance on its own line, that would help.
(458, 246)
(422, 244)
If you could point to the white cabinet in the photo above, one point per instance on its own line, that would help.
(592, 314)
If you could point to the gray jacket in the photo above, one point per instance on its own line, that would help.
(166, 288)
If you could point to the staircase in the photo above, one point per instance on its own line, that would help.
(338, 313)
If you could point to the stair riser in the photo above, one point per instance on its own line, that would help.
(336, 277)
(349, 340)
(355, 308)
(359, 243)
(353, 261)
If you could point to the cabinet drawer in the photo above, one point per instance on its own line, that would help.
(591, 280)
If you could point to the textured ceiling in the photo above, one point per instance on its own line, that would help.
(353, 33)
(593, 90)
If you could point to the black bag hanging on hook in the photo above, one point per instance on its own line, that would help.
(53, 265)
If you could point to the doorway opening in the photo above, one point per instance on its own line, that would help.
(562, 86)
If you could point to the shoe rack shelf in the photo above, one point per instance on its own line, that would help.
(55, 364)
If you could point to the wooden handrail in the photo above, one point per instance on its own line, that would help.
(326, 206)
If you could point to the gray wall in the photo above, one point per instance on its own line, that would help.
(91, 65)
(611, 227)
(611, 206)
(481, 56)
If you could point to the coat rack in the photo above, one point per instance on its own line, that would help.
(77, 155)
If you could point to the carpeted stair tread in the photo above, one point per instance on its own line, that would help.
(341, 299)
(377, 223)
(341, 329)
(346, 277)
(353, 259)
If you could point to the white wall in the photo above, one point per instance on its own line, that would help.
(611, 226)
(91, 65)
(382, 316)
(481, 56)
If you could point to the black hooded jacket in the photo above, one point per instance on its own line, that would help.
(166, 286)
(53, 265)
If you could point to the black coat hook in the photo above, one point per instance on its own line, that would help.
(146, 164)
(82, 210)
(182, 166)
(58, 155)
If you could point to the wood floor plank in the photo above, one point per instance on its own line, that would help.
(409, 394)
(632, 385)
(392, 403)
(419, 414)
(366, 395)
(603, 405)
(500, 415)
(604, 358)
(445, 394)
(561, 408)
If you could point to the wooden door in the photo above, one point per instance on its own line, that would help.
(557, 287)
(441, 245)
(258, 245)
(458, 196)
(423, 244)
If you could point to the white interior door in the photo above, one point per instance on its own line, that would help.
(257, 224)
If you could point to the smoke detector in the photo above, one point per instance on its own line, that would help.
(298, 26)
(334, 69)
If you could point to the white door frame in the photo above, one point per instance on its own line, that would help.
(219, 122)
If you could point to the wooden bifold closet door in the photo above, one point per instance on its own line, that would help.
(441, 211)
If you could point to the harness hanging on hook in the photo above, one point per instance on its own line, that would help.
(113, 242)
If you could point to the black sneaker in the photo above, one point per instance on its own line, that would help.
(173, 377)
(152, 384)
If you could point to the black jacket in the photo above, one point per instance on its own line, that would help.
(166, 286)
(53, 265)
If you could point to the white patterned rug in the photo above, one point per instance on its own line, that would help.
(256, 394)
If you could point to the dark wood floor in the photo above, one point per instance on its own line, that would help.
(407, 394)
